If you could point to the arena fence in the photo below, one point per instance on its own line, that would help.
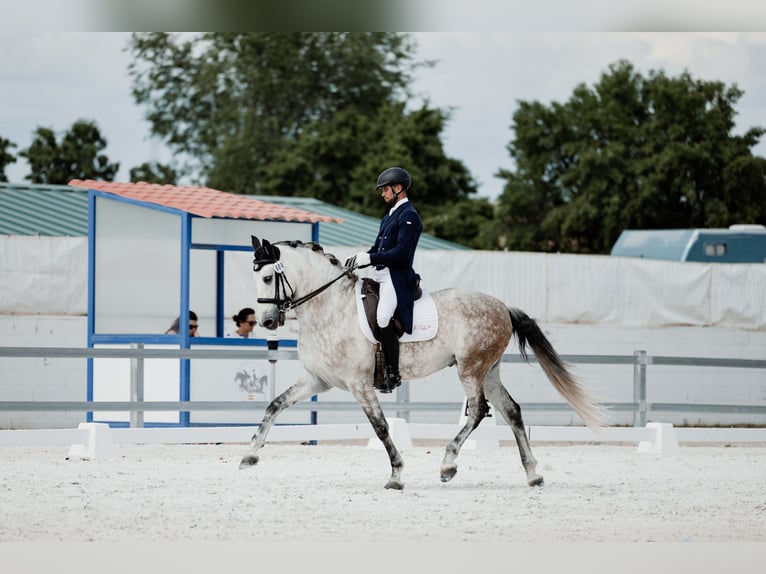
(640, 360)
(93, 440)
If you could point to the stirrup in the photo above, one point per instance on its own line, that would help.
(389, 383)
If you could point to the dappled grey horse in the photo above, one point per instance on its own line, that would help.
(474, 332)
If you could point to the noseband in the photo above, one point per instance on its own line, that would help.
(267, 254)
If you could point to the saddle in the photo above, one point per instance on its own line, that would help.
(370, 299)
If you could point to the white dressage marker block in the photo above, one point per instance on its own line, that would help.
(397, 428)
(483, 443)
(99, 445)
(664, 442)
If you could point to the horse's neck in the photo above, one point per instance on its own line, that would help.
(330, 305)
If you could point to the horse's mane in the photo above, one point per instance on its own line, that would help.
(316, 247)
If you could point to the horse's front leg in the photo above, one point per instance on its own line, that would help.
(370, 404)
(307, 386)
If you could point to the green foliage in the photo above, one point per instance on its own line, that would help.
(6, 158)
(632, 152)
(296, 114)
(152, 172)
(467, 222)
(77, 156)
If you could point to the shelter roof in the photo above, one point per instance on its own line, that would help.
(204, 201)
(61, 210)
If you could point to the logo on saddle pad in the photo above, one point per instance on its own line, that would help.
(425, 321)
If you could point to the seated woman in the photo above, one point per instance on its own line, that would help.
(175, 328)
(245, 321)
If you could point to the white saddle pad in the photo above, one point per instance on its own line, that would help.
(425, 321)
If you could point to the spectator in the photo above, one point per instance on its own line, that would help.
(193, 326)
(245, 321)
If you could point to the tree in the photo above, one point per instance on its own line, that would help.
(77, 156)
(304, 114)
(337, 161)
(467, 222)
(153, 172)
(6, 158)
(633, 152)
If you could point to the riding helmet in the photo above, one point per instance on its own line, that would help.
(394, 175)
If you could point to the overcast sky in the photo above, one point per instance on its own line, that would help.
(52, 79)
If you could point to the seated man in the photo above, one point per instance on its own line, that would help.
(392, 255)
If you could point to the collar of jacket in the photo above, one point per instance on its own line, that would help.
(398, 204)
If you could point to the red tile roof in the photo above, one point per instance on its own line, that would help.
(204, 201)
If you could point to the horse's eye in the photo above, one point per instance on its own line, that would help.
(267, 279)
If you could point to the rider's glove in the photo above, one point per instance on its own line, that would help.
(359, 260)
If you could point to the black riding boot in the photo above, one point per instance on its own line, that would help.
(390, 345)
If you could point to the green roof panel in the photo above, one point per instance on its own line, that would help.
(51, 210)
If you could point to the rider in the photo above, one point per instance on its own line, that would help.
(392, 255)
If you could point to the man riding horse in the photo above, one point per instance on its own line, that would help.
(392, 256)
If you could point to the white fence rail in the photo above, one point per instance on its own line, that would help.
(640, 406)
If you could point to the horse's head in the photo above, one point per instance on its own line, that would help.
(311, 272)
(269, 280)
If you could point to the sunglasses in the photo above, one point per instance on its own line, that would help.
(193, 326)
(251, 323)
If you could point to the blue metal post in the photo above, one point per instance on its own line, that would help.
(185, 366)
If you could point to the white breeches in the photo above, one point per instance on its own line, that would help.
(387, 297)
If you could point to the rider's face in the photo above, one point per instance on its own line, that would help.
(387, 193)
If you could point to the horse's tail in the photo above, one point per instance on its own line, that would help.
(528, 332)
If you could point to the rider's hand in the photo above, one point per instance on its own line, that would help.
(361, 259)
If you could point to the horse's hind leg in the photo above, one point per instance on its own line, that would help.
(306, 387)
(503, 403)
(477, 410)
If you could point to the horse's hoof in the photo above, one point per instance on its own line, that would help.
(394, 484)
(448, 473)
(536, 481)
(248, 461)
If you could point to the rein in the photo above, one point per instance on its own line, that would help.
(315, 292)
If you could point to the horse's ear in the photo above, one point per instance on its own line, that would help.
(256, 243)
(270, 250)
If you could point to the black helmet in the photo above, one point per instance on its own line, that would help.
(394, 175)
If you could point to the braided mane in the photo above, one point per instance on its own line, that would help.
(316, 247)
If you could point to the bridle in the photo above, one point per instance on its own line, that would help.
(268, 254)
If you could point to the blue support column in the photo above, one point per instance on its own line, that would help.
(219, 270)
(185, 366)
(91, 296)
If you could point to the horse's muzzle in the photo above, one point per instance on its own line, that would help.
(272, 319)
(269, 323)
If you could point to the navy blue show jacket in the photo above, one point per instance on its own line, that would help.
(395, 248)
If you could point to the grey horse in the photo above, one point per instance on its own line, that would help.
(474, 332)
